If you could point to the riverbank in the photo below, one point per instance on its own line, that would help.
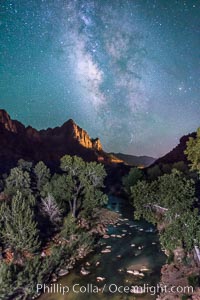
(104, 218)
(128, 254)
(184, 276)
(180, 277)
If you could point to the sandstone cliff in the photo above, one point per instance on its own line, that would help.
(18, 141)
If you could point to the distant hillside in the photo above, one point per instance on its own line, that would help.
(132, 160)
(176, 154)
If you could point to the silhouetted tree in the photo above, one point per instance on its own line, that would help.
(42, 174)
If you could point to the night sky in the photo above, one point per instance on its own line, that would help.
(127, 71)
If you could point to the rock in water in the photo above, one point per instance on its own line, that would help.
(63, 272)
(100, 278)
(106, 251)
(84, 271)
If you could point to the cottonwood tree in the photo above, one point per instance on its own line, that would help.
(183, 231)
(169, 201)
(131, 179)
(154, 172)
(42, 174)
(193, 151)
(170, 193)
(84, 180)
(60, 187)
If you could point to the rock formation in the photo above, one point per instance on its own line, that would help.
(18, 141)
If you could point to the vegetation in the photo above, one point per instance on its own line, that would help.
(18, 228)
(185, 297)
(131, 179)
(154, 172)
(194, 280)
(193, 152)
(169, 199)
(40, 221)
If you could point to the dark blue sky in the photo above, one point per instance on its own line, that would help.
(127, 71)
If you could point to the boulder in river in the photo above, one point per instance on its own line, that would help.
(140, 247)
(54, 277)
(135, 273)
(106, 236)
(84, 271)
(106, 251)
(99, 278)
(119, 236)
(63, 272)
(144, 269)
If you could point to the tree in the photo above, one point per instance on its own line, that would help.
(50, 209)
(84, 180)
(131, 179)
(183, 231)
(60, 187)
(169, 194)
(180, 166)
(93, 198)
(166, 168)
(8, 275)
(169, 201)
(193, 151)
(24, 165)
(154, 172)
(70, 229)
(42, 174)
(18, 180)
(77, 239)
(19, 229)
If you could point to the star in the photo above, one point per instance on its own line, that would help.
(116, 67)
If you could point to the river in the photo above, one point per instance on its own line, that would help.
(134, 245)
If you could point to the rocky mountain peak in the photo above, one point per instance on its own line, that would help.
(48, 145)
(84, 139)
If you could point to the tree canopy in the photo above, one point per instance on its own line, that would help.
(131, 179)
(193, 151)
(19, 230)
(84, 182)
(169, 200)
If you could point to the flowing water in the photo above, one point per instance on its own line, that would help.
(134, 245)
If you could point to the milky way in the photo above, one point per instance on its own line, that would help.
(124, 70)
